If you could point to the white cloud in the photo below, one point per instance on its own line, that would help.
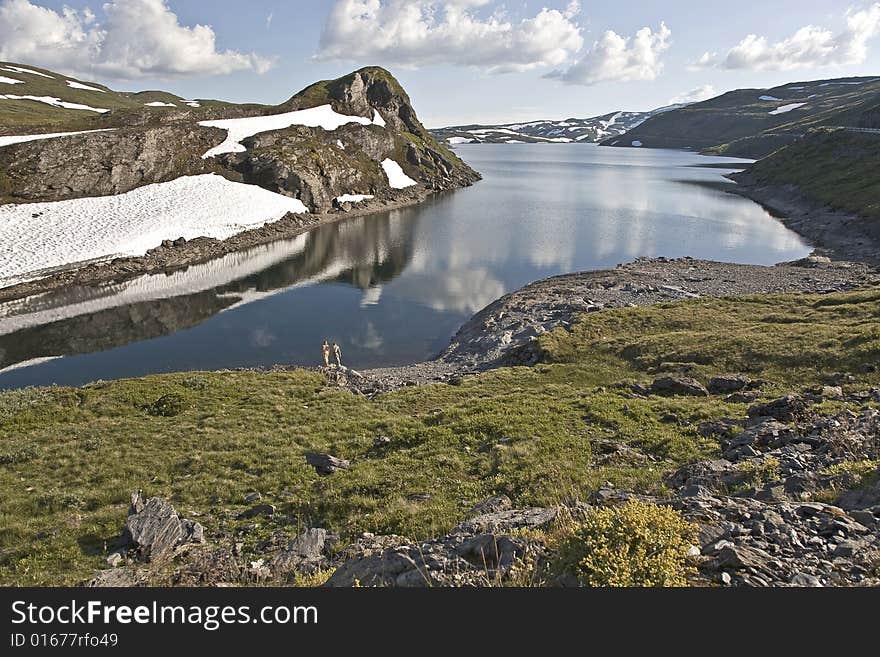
(614, 57)
(415, 33)
(809, 47)
(695, 95)
(134, 39)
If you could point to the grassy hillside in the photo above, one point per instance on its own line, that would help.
(69, 458)
(17, 115)
(743, 123)
(835, 167)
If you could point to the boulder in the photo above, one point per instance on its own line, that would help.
(678, 385)
(727, 384)
(325, 464)
(304, 552)
(786, 408)
(156, 530)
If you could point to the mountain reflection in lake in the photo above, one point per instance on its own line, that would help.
(393, 287)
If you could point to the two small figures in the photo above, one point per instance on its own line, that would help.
(337, 354)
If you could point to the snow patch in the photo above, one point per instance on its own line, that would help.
(340, 144)
(8, 141)
(159, 103)
(5, 80)
(38, 237)
(192, 103)
(378, 120)
(770, 98)
(459, 140)
(240, 129)
(55, 102)
(79, 85)
(18, 69)
(396, 177)
(787, 108)
(514, 141)
(353, 198)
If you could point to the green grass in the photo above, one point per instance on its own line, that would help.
(69, 458)
(836, 167)
(738, 124)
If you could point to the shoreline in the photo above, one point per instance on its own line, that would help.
(834, 234)
(505, 332)
(170, 257)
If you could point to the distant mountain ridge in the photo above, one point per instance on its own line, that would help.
(572, 130)
(756, 122)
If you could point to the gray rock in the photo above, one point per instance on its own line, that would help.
(504, 521)
(491, 505)
(325, 464)
(724, 385)
(805, 580)
(156, 529)
(250, 498)
(786, 408)
(740, 556)
(678, 385)
(306, 549)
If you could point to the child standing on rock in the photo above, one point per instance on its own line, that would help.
(325, 348)
(337, 354)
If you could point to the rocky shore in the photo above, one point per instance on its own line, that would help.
(505, 332)
(836, 234)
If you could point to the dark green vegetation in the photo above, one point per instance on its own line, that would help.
(740, 124)
(69, 458)
(834, 167)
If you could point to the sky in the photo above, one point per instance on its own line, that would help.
(461, 61)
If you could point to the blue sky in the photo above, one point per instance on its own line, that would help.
(461, 60)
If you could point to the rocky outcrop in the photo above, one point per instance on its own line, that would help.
(155, 530)
(310, 164)
(106, 163)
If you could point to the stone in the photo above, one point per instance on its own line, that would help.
(678, 385)
(737, 557)
(805, 580)
(491, 505)
(325, 464)
(306, 549)
(724, 385)
(503, 521)
(156, 529)
(116, 559)
(115, 578)
(785, 409)
(250, 498)
(832, 392)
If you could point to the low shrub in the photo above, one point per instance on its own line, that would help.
(634, 544)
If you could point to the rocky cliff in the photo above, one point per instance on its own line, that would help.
(315, 165)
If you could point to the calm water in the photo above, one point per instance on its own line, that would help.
(392, 288)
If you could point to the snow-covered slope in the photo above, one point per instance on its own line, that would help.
(40, 236)
(572, 130)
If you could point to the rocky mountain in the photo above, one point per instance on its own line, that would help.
(755, 122)
(153, 137)
(590, 130)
